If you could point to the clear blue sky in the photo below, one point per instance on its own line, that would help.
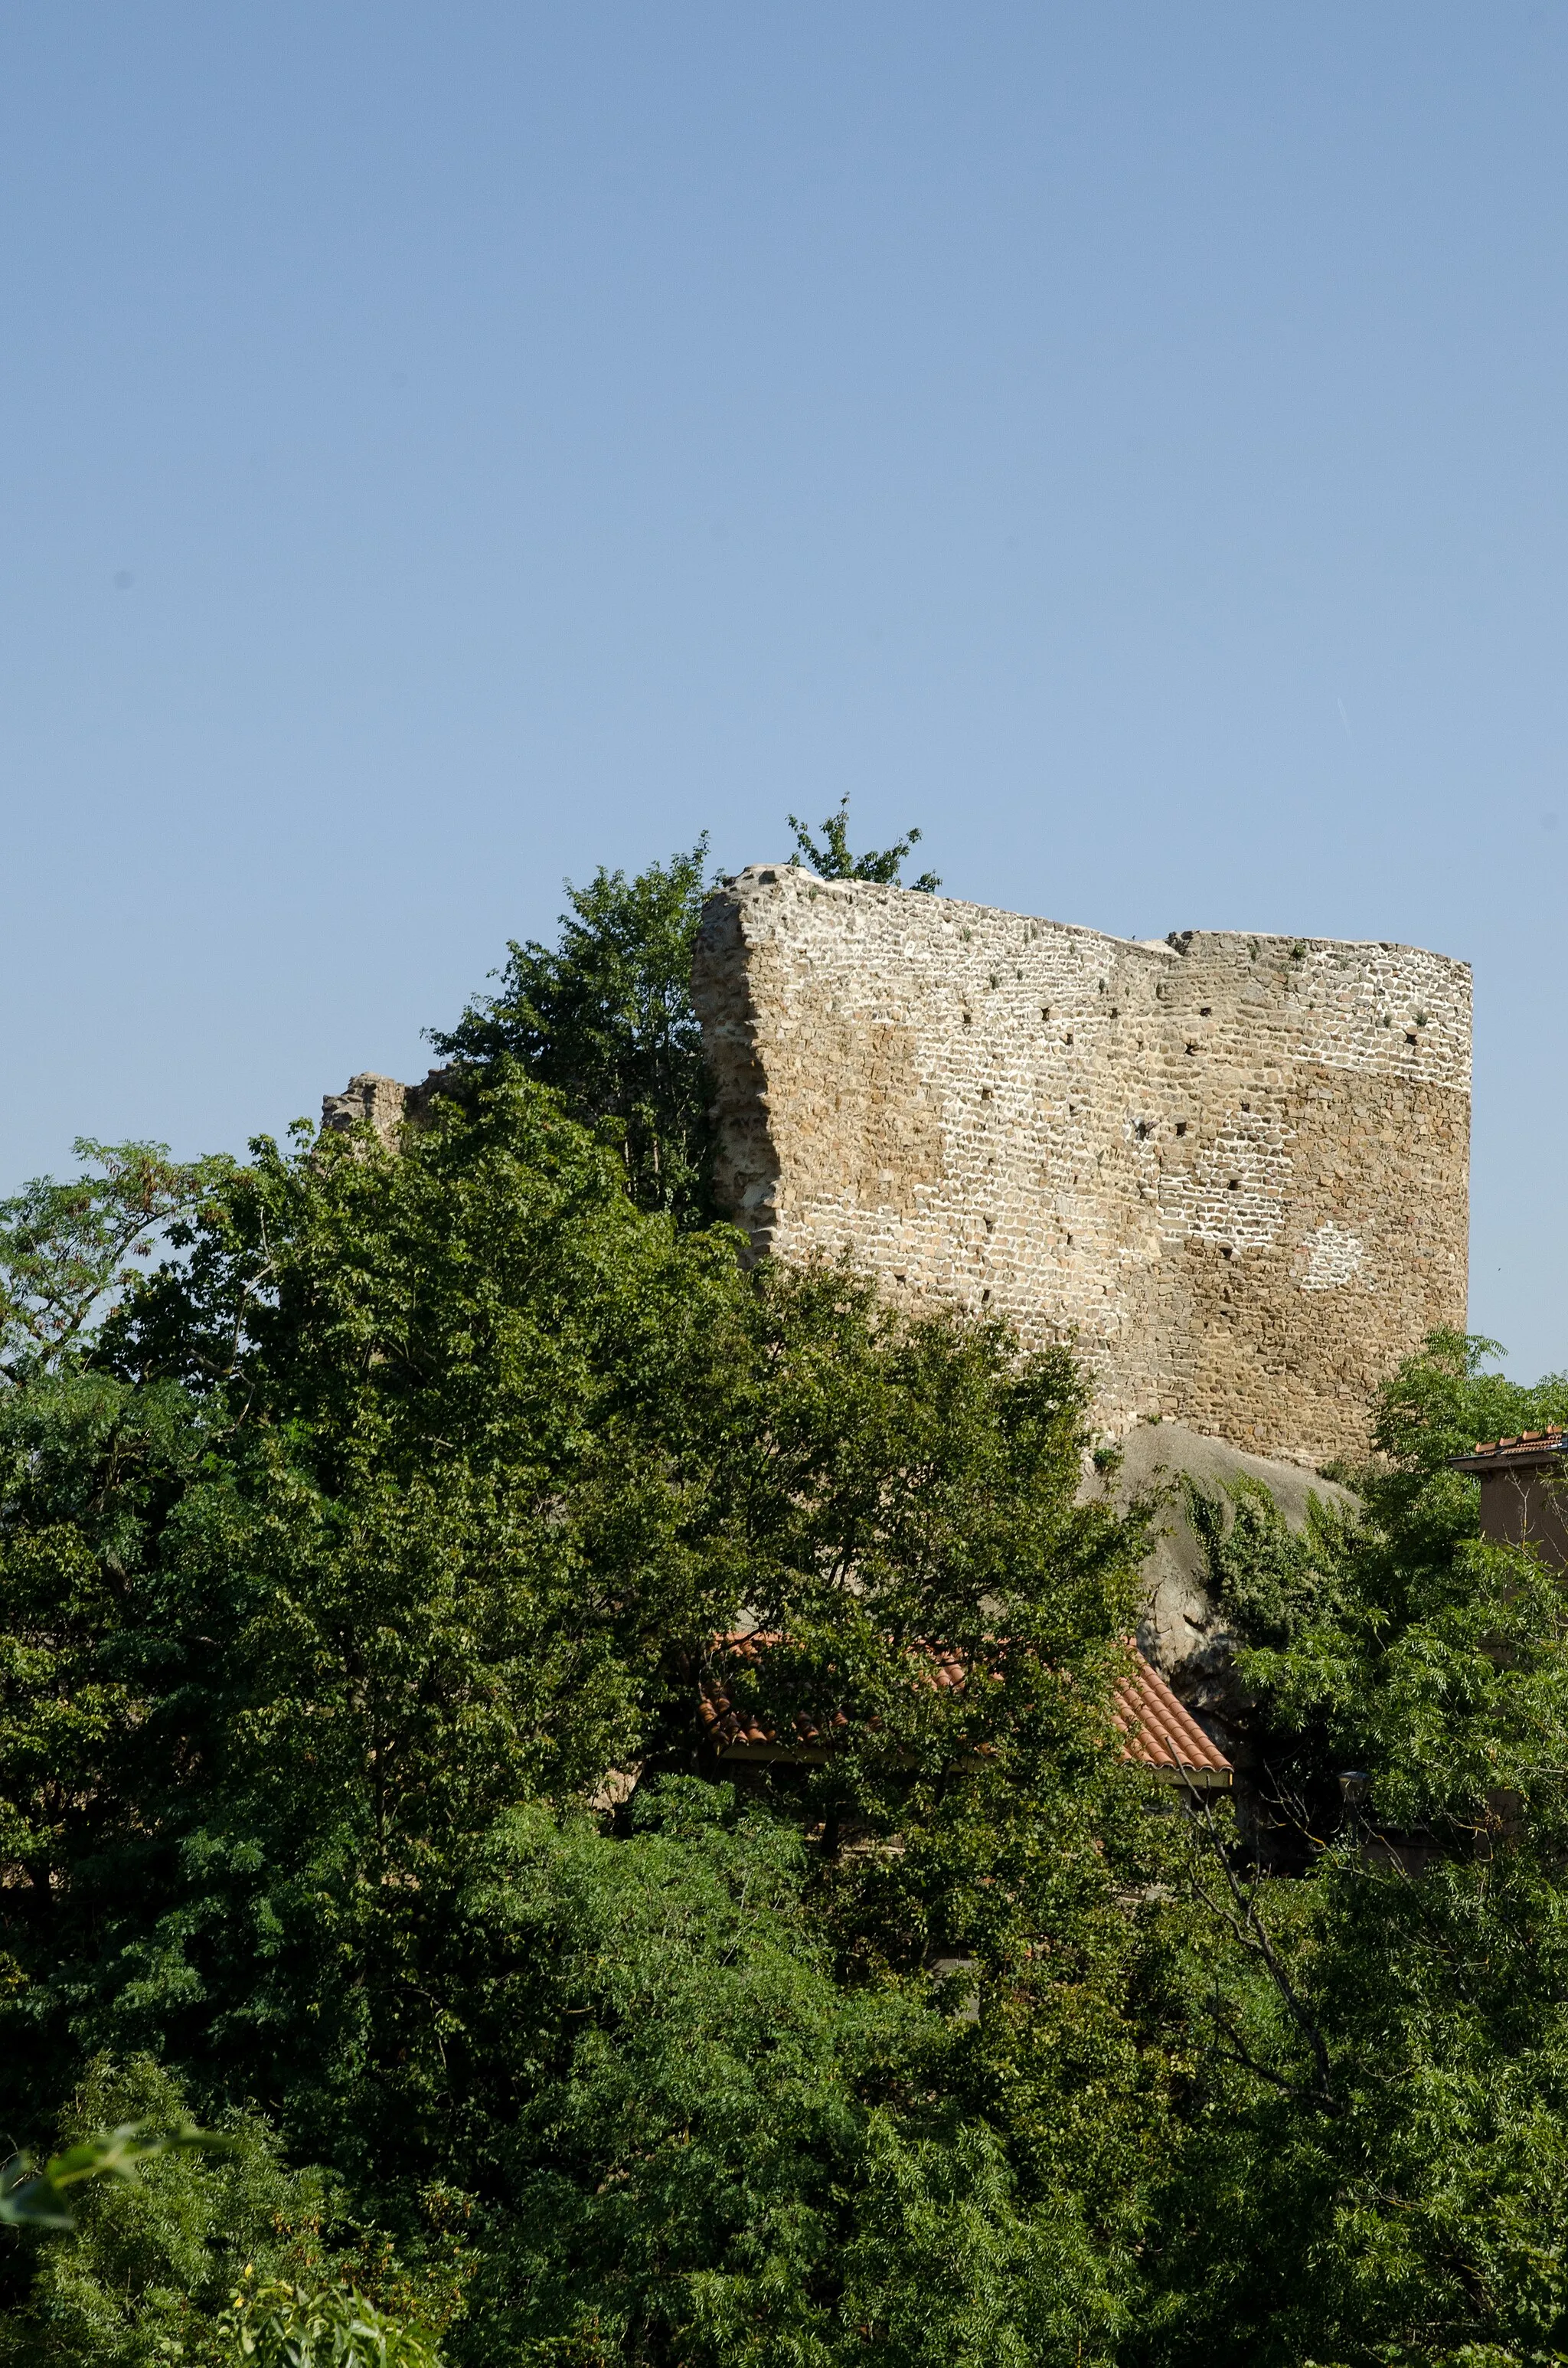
(448, 447)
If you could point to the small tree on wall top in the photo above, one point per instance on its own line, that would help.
(832, 859)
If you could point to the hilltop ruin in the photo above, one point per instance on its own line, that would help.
(1232, 1169)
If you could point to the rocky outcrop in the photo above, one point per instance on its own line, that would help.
(380, 1102)
(1181, 1622)
(1184, 1631)
(383, 1102)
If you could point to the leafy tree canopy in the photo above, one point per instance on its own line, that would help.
(606, 1019)
(405, 1499)
(368, 1524)
(1378, 2157)
(191, 2260)
(63, 1248)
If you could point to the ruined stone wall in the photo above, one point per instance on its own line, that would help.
(388, 1106)
(1233, 1168)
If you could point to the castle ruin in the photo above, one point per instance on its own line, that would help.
(1232, 1169)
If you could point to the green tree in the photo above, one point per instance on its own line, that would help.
(703, 2148)
(606, 1019)
(63, 1248)
(280, 2325)
(203, 2246)
(1379, 2156)
(149, 2256)
(407, 1497)
(429, 1517)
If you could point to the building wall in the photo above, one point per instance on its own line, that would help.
(1526, 1505)
(1233, 1168)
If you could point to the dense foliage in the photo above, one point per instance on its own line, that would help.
(369, 1522)
(1376, 2163)
(606, 1019)
(407, 1497)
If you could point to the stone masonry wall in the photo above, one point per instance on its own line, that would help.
(1235, 1170)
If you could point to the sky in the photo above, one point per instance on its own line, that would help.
(443, 449)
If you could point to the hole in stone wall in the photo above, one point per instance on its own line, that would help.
(1181, 1126)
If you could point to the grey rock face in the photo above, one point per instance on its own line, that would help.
(1182, 1619)
(382, 1100)
(1183, 1631)
(387, 1104)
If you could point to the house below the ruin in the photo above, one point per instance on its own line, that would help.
(1524, 1491)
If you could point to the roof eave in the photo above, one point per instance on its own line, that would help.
(1524, 1458)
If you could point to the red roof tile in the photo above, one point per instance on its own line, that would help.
(1160, 1733)
(1528, 1447)
(1156, 1732)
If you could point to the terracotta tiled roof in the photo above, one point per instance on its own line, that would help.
(1157, 1731)
(735, 1732)
(1161, 1734)
(1528, 1447)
